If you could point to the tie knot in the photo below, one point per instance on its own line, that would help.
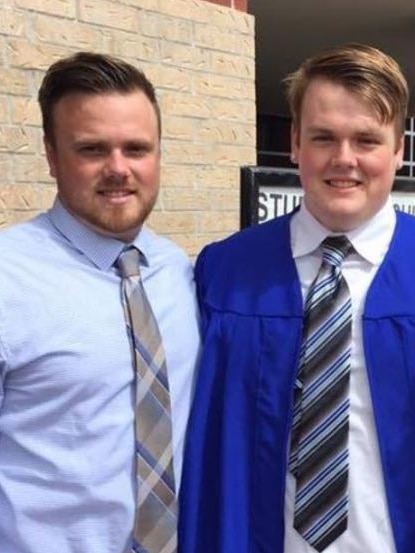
(335, 249)
(128, 262)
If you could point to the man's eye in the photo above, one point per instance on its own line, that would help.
(90, 150)
(321, 138)
(369, 141)
(136, 151)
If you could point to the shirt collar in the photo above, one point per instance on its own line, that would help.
(101, 250)
(371, 240)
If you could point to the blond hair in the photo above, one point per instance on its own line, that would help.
(373, 75)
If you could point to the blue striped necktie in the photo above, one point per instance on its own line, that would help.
(319, 445)
(155, 529)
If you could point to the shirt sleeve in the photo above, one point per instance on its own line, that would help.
(3, 366)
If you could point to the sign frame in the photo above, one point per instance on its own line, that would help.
(253, 179)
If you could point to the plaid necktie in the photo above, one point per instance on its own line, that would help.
(155, 529)
(319, 447)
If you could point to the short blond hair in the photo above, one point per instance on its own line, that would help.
(364, 70)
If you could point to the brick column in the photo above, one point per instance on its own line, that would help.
(241, 5)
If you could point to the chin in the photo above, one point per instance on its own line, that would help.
(125, 231)
(344, 222)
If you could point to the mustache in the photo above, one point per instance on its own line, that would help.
(114, 182)
(108, 188)
(115, 177)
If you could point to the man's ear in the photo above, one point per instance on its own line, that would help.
(50, 156)
(400, 149)
(295, 139)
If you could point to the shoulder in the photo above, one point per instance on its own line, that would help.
(22, 237)
(162, 250)
(404, 220)
(168, 266)
(392, 292)
(28, 250)
(249, 249)
(403, 239)
(249, 272)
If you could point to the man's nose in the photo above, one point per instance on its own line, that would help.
(117, 166)
(344, 155)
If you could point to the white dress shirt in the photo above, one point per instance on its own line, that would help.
(369, 529)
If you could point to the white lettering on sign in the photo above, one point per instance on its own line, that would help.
(277, 200)
(274, 201)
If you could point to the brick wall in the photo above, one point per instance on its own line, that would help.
(237, 4)
(200, 56)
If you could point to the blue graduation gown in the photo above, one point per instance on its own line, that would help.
(233, 487)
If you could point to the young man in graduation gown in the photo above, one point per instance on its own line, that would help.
(272, 464)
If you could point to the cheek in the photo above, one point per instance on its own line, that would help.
(77, 180)
(312, 165)
(381, 167)
(148, 172)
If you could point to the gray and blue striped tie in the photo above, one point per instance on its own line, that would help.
(155, 529)
(319, 446)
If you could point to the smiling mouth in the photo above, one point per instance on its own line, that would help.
(116, 193)
(342, 184)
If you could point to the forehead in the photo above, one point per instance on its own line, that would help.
(108, 110)
(324, 100)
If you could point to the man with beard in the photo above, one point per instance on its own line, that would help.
(98, 331)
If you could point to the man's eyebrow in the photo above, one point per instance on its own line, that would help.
(138, 142)
(318, 129)
(369, 132)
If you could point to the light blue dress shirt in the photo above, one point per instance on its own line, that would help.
(67, 482)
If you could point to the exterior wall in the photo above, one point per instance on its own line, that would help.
(199, 55)
(237, 4)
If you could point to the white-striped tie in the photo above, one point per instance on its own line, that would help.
(155, 529)
(319, 446)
